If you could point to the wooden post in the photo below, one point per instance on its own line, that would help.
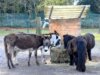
(38, 27)
(81, 12)
(99, 28)
(50, 12)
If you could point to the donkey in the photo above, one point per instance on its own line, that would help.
(55, 39)
(23, 42)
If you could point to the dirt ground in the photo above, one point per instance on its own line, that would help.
(92, 68)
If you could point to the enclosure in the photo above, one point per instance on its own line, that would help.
(24, 16)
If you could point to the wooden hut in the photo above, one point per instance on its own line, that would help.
(66, 19)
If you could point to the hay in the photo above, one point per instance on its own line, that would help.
(59, 55)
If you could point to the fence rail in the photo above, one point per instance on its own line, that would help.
(92, 20)
(17, 20)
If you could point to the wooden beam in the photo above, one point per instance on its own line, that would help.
(50, 12)
(81, 12)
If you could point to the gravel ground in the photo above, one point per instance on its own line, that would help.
(93, 68)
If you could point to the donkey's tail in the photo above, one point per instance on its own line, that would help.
(5, 46)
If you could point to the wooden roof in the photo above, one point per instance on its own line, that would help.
(66, 12)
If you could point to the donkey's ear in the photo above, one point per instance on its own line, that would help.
(43, 37)
(47, 37)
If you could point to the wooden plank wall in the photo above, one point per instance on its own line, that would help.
(68, 26)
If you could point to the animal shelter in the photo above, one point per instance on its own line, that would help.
(66, 19)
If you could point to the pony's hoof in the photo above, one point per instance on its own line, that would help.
(13, 66)
(17, 64)
(9, 67)
(28, 64)
(45, 63)
(71, 64)
(90, 59)
(37, 63)
(80, 70)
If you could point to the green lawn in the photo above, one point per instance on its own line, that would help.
(90, 30)
(94, 31)
(97, 37)
(5, 31)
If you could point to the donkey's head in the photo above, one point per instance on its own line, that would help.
(46, 44)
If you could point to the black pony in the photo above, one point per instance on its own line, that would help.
(90, 38)
(66, 39)
(77, 49)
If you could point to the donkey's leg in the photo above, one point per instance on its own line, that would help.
(12, 58)
(7, 55)
(30, 53)
(8, 62)
(36, 57)
(15, 61)
(43, 57)
(10, 54)
(89, 54)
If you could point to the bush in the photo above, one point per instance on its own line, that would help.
(91, 21)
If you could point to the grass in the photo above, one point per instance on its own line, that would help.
(97, 37)
(94, 31)
(5, 31)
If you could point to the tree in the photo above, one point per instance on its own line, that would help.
(29, 6)
(95, 5)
